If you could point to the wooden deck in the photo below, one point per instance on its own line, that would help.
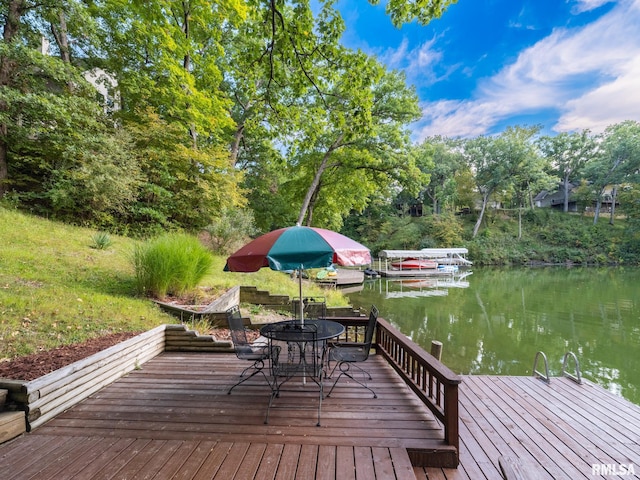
(558, 431)
(173, 419)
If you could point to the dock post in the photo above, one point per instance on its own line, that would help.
(436, 349)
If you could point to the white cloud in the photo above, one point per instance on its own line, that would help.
(455, 119)
(611, 103)
(588, 5)
(419, 62)
(591, 75)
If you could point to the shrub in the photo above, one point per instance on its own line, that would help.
(229, 231)
(445, 229)
(101, 241)
(170, 264)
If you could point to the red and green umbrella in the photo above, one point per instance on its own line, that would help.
(298, 248)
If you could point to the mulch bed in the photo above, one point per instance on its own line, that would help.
(38, 364)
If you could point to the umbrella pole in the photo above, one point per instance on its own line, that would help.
(301, 307)
(304, 376)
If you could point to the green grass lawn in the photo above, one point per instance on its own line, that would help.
(56, 289)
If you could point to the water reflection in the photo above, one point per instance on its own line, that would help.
(429, 286)
(495, 321)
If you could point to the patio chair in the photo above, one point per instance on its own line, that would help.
(351, 353)
(313, 307)
(245, 350)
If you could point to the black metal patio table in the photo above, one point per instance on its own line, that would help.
(305, 353)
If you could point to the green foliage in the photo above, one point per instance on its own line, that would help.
(444, 229)
(551, 237)
(171, 264)
(101, 241)
(230, 230)
(617, 161)
(441, 159)
(63, 157)
(422, 11)
(259, 104)
(180, 187)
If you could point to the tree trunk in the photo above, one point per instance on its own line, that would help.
(235, 145)
(315, 184)
(566, 195)
(16, 9)
(614, 194)
(596, 214)
(520, 223)
(485, 200)
(62, 39)
(532, 204)
(14, 13)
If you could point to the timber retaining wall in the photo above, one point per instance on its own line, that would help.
(47, 396)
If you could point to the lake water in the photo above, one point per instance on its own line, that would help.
(495, 320)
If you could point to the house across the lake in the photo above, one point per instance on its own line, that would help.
(555, 199)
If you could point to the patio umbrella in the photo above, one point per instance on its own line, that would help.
(298, 248)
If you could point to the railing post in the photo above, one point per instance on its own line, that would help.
(451, 432)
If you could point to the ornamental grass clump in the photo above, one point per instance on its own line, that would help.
(172, 264)
(101, 241)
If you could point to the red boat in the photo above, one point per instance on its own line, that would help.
(415, 264)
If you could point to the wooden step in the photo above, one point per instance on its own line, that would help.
(12, 424)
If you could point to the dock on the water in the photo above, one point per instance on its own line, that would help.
(345, 277)
(528, 429)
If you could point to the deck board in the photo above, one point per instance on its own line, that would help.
(554, 431)
(173, 419)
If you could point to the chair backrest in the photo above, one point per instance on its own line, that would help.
(236, 327)
(313, 307)
(371, 326)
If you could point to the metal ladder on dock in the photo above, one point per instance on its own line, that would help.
(575, 376)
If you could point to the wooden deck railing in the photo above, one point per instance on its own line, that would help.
(434, 383)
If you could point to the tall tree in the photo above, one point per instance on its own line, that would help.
(445, 162)
(365, 112)
(568, 154)
(291, 79)
(528, 170)
(165, 55)
(617, 161)
(485, 157)
(16, 58)
(44, 105)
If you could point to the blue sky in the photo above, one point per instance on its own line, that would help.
(567, 65)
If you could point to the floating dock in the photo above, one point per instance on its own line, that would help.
(442, 256)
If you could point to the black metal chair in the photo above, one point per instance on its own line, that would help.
(244, 349)
(350, 354)
(312, 307)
